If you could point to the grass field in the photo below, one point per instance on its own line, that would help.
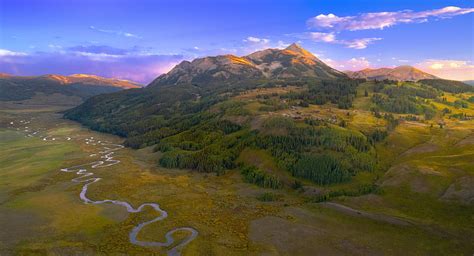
(428, 185)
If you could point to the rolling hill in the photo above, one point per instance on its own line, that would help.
(79, 85)
(401, 73)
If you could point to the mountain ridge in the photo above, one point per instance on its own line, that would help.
(291, 62)
(81, 78)
(80, 85)
(400, 73)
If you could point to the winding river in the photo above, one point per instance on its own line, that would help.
(87, 178)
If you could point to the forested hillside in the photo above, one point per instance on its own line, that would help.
(317, 131)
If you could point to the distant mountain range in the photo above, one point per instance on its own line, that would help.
(469, 82)
(273, 64)
(80, 85)
(401, 73)
(291, 62)
(207, 73)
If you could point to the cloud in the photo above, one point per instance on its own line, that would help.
(252, 39)
(253, 44)
(380, 20)
(449, 69)
(360, 43)
(127, 64)
(353, 64)
(55, 46)
(323, 37)
(98, 49)
(8, 53)
(194, 50)
(281, 45)
(114, 32)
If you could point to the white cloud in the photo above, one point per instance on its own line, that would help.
(323, 37)
(380, 20)
(357, 63)
(353, 64)
(449, 69)
(114, 32)
(281, 45)
(252, 44)
(404, 61)
(55, 46)
(326, 21)
(252, 39)
(99, 56)
(359, 43)
(8, 53)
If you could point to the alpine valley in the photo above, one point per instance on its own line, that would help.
(272, 153)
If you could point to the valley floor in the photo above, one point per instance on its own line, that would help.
(426, 207)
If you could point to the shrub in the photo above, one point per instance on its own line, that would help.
(268, 197)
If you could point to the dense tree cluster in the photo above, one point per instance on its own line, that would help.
(406, 100)
(448, 85)
(377, 135)
(252, 174)
(293, 147)
(210, 147)
(323, 169)
(340, 92)
(141, 117)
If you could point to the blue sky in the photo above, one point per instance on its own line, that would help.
(140, 39)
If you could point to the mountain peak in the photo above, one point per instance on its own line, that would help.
(293, 61)
(405, 67)
(294, 47)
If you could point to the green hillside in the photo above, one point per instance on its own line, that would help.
(319, 132)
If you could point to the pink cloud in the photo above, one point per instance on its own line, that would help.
(380, 20)
(358, 43)
(448, 69)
